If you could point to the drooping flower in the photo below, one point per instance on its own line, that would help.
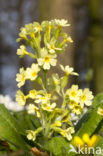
(100, 111)
(31, 135)
(21, 77)
(37, 27)
(22, 34)
(32, 73)
(22, 51)
(20, 98)
(86, 97)
(67, 133)
(33, 109)
(47, 60)
(68, 70)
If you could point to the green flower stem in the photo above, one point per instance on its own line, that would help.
(32, 55)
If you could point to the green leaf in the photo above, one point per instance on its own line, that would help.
(100, 145)
(90, 125)
(98, 99)
(59, 147)
(10, 130)
(28, 121)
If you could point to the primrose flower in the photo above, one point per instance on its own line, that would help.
(22, 51)
(32, 73)
(37, 27)
(20, 98)
(69, 39)
(57, 123)
(48, 107)
(32, 94)
(22, 34)
(47, 60)
(33, 109)
(68, 70)
(100, 111)
(67, 133)
(21, 77)
(51, 47)
(31, 135)
(56, 79)
(74, 93)
(62, 22)
(43, 99)
(86, 97)
(77, 109)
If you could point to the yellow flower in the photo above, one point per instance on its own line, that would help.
(20, 98)
(31, 135)
(32, 94)
(75, 107)
(86, 140)
(86, 97)
(48, 107)
(37, 27)
(69, 39)
(100, 111)
(62, 22)
(22, 51)
(51, 47)
(43, 99)
(74, 93)
(67, 133)
(32, 73)
(21, 77)
(23, 34)
(57, 123)
(47, 60)
(56, 80)
(33, 109)
(68, 70)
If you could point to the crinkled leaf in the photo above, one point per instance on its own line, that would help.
(59, 147)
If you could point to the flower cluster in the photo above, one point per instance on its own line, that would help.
(47, 41)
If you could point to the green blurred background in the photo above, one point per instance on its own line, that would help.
(85, 54)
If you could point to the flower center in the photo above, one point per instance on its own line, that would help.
(48, 107)
(52, 46)
(32, 35)
(73, 93)
(47, 59)
(23, 77)
(83, 97)
(34, 74)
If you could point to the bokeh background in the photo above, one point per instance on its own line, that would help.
(85, 54)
